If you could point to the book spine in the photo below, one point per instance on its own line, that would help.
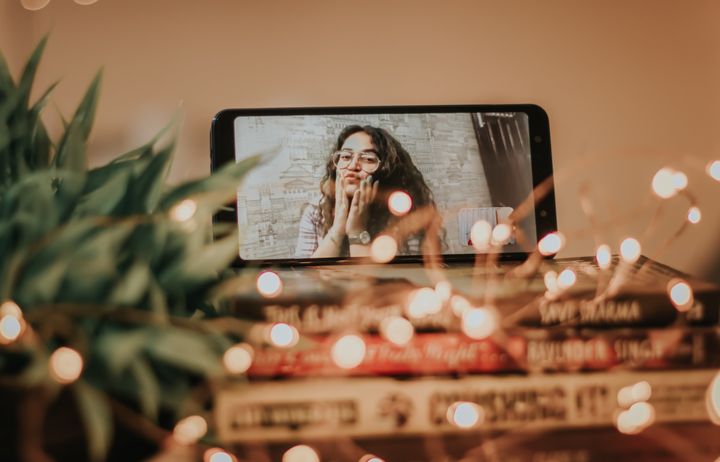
(453, 353)
(578, 310)
(384, 407)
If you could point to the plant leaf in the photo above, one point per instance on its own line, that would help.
(97, 419)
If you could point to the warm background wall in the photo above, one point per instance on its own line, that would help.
(629, 86)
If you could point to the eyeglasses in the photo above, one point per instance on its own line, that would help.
(367, 160)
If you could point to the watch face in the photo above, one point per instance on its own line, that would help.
(364, 237)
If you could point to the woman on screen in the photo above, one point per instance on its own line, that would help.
(364, 160)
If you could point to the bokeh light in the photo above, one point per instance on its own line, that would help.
(190, 429)
(184, 211)
(348, 352)
(397, 330)
(630, 250)
(11, 308)
(679, 180)
(459, 305)
(566, 279)
(551, 281)
(383, 249)
(663, 184)
(444, 290)
(501, 234)
(681, 294)
(694, 215)
(464, 414)
(712, 400)
(218, 455)
(636, 419)
(399, 203)
(238, 358)
(301, 453)
(34, 5)
(269, 284)
(551, 243)
(85, 2)
(423, 302)
(66, 365)
(480, 234)
(603, 256)
(10, 328)
(631, 394)
(713, 169)
(283, 335)
(479, 323)
(370, 458)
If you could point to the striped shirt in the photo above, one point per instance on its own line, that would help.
(310, 232)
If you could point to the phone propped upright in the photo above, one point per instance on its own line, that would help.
(342, 177)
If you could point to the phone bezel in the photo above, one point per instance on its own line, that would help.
(222, 151)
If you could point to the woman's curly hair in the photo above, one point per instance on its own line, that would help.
(397, 172)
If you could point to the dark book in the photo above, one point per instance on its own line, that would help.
(326, 300)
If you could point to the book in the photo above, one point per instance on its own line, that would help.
(325, 300)
(520, 350)
(382, 407)
(665, 442)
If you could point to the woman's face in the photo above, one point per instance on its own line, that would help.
(357, 142)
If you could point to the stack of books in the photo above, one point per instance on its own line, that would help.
(562, 364)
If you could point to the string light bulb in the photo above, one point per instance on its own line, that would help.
(464, 414)
(301, 453)
(713, 169)
(370, 458)
(444, 290)
(218, 455)
(10, 328)
(66, 365)
(34, 5)
(712, 400)
(459, 305)
(679, 180)
(663, 184)
(631, 394)
(480, 323)
(238, 358)
(566, 279)
(423, 302)
(190, 429)
(630, 250)
(551, 243)
(269, 284)
(349, 351)
(283, 335)
(501, 234)
(681, 294)
(603, 256)
(184, 211)
(383, 249)
(397, 330)
(480, 234)
(399, 203)
(694, 215)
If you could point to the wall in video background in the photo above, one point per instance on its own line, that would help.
(443, 146)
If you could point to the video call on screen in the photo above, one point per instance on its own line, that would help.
(477, 166)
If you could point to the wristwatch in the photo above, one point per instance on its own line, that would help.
(362, 238)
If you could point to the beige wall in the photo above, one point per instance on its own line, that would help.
(629, 86)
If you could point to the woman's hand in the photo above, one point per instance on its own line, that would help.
(342, 204)
(357, 216)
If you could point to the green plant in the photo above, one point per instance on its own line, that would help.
(110, 261)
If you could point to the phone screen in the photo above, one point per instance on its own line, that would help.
(468, 166)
